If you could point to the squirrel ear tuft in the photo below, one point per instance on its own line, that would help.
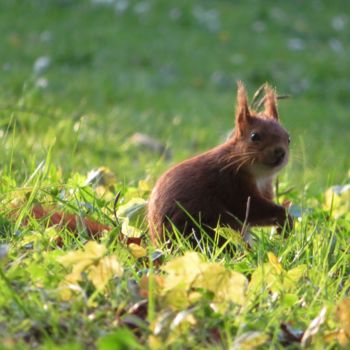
(242, 108)
(270, 102)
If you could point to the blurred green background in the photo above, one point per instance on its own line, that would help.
(81, 77)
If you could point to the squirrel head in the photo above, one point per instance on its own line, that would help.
(259, 138)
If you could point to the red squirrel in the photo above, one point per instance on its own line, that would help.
(230, 184)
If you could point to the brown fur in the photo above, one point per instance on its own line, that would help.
(214, 187)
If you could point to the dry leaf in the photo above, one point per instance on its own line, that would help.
(314, 327)
(273, 277)
(250, 341)
(137, 251)
(133, 210)
(182, 271)
(107, 268)
(227, 286)
(337, 200)
(81, 259)
(343, 316)
(69, 287)
(274, 262)
(158, 284)
(92, 260)
(144, 186)
(188, 275)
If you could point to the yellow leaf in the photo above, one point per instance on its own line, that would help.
(105, 193)
(92, 251)
(155, 343)
(231, 235)
(144, 186)
(194, 297)
(188, 275)
(337, 200)
(227, 286)
(291, 277)
(343, 316)
(69, 287)
(182, 271)
(264, 277)
(107, 268)
(157, 284)
(137, 251)
(274, 262)
(180, 325)
(250, 341)
(273, 277)
(130, 231)
(134, 210)
(337, 335)
(92, 260)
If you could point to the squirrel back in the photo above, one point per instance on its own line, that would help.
(229, 184)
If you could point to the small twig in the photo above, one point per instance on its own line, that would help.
(279, 97)
(257, 94)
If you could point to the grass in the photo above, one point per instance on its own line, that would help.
(167, 70)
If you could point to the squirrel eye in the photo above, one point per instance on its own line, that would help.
(255, 137)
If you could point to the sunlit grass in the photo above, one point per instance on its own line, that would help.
(79, 79)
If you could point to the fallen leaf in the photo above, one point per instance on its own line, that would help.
(137, 251)
(92, 260)
(337, 200)
(133, 210)
(274, 262)
(107, 268)
(181, 324)
(338, 336)
(182, 271)
(144, 186)
(314, 327)
(250, 341)
(343, 316)
(81, 259)
(231, 235)
(273, 277)
(157, 285)
(129, 230)
(188, 276)
(227, 286)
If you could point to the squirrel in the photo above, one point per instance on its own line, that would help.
(229, 185)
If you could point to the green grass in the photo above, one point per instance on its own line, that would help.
(168, 70)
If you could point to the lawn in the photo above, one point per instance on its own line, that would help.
(80, 81)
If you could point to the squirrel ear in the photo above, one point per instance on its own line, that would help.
(242, 109)
(270, 103)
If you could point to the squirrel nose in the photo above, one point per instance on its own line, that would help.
(279, 153)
